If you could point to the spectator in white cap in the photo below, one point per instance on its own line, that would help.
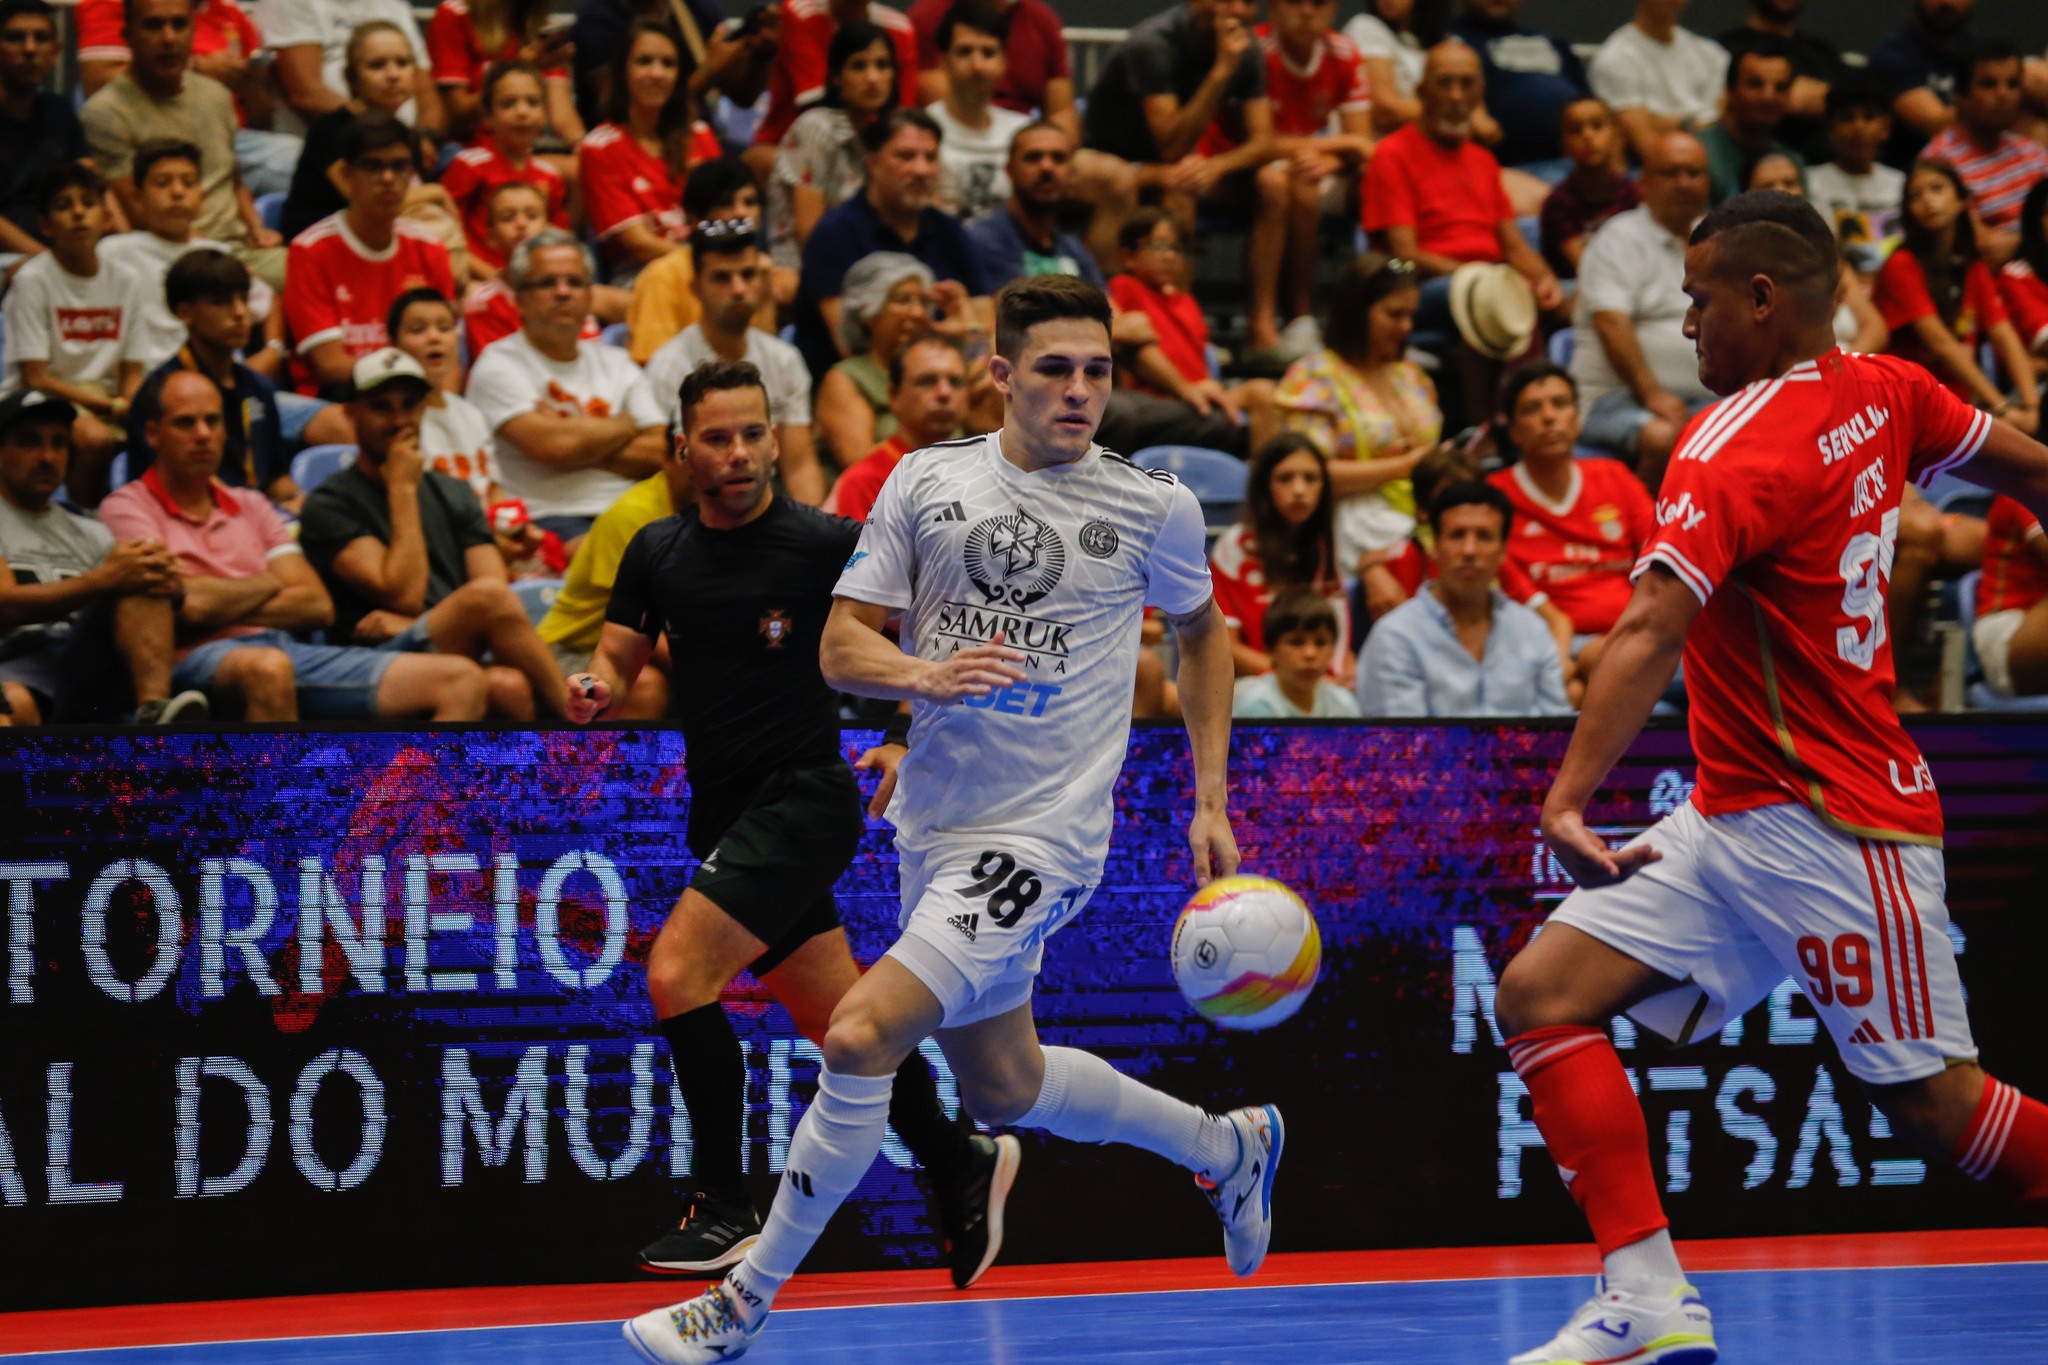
(407, 554)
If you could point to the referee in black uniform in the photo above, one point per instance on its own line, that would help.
(742, 584)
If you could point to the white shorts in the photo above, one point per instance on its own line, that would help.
(1992, 635)
(976, 917)
(1740, 901)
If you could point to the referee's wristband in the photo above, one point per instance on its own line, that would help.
(897, 731)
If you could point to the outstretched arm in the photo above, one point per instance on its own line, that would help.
(1206, 675)
(2014, 464)
(1641, 654)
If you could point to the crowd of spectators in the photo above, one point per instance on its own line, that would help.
(468, 263)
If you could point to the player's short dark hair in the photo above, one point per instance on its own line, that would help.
(716, 376)
(722, 237)
(405, 301)
(979, 17)
(1980, 51)
(35, 9)
(498, 71)
(1470, 493)
(1767, 47)
(1518, 380)
(716, 184)
(1780, 235)
(1855, 94)
(938, 339)
(71, 175)
(883, 130)
(163, 149)
(1297, 608)
(1024, 304)
(204, 276)
(373, 131)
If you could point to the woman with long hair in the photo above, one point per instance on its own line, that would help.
(2023, 284)
(1939, 299)
(822, 163)
(1286, 540)
(464, 39)
(1370, 410)
(634, 163)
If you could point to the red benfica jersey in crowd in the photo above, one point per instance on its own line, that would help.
(338, 289)
(1304, 98)
(472, 176)
(1779, 511)
(2014, 577)
(1580, 550)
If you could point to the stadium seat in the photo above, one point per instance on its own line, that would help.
(537, 595)
(1562, 343)
(117, 472)
(1976, 690)
(1952, 494)
(615, 334)
(270, 208)
(1216, 479)
(315, 465)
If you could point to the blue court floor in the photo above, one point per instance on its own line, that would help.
(1975, 1315)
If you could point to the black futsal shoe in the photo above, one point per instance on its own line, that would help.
(714, 1234)
(969, 1204)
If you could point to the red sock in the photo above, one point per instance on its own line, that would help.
(2006, 1145)
(1593, 1125)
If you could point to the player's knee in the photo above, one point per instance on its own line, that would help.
(854, 1044)
(999, 1100)
(679, 981)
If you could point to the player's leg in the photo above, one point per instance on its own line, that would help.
(970, 1174)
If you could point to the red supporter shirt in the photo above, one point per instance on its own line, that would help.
(1034, 57)
(798, 76)
(472, 176)
(855, 493)
(1902, 297)
(1243, 595)
(1779, 510)
(2025, 296)
(458, 53)
(1305, 98)
(337, 289)
(1452, 199)
(2014, 577)
(1177, 318)
(623, 183)
(1412, 566)
(1580, 551)
(489, 314)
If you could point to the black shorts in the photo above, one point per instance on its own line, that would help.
(773, 861)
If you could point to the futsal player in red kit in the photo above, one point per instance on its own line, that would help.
(1812, 843)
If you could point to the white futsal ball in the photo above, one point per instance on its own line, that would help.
(1246, 952)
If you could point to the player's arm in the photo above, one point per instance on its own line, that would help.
(1641, 654)
(857, 657)
(599, 692)
(1206, 674)
(2012, 463)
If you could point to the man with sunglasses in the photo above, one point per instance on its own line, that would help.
(574, 423)
(350, 267)
(39, 130)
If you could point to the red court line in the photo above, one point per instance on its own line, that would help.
(427, 1310)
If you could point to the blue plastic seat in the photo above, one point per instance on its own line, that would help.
(537, 595)
(117, 472)
(270, 209)
(615, 334)
(1218, 480)
(1976, 691)
(315, 465)
(1563, 342)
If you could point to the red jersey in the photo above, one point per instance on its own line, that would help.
(624, 184)
(2014, 577)
(1580, 550)
(489, 314)
(1243, 594)
(337, 289)
(1177, 318)
(855, 493)
(1779, 510)
(1412, 566)
(1452, 199)
(472, 176)
(798, 76)
(458, 54)
(1034, 55)
(1902, 296)
(1306, 98)
(2025, 295)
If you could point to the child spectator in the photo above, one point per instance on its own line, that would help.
(454, 438)
(1286, 540)
(1856, 192)
(632, 166)
(516, 211)
(1176, 364)
(822, 163)
(73, 326)
(2011, 633)
(976, 146)
(515, 116)
(1304, 632)
(1940, 301)
(1596, 188)
(662, 302)
(465, 37)
(2023, 284)
(378, 67)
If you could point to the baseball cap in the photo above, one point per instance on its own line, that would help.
(25, 403)
(379, 368)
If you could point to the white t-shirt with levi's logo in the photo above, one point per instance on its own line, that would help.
(81, 326)
(1063, 561)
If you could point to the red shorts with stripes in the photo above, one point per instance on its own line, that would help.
(1739, 902)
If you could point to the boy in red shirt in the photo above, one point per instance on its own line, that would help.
(2011, 631)
(515, 210)
(515, 114)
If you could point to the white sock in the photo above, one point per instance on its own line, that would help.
(1085, 1099)
(1646, 1269)
(836, 1142)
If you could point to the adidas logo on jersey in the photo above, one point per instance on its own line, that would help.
(951, 512)
(1866, 1034)
(966, 924)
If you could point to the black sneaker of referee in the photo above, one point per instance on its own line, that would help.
(969, 1202)
(713, 1235)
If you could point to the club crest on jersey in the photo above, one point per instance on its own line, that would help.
(777, 626)
(1014, 560)
(1098, 539)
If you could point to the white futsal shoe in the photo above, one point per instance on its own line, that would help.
(1244, 1199)
(1611, 1328)
(699, 1331)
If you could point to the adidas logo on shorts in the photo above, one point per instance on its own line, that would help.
(1866, 1034)
(966, 924)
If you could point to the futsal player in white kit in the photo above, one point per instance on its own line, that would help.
(1022, 562)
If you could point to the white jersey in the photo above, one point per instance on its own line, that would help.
(1063, 562)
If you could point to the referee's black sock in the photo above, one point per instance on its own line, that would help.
(940, 1145)
(711, 1071)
